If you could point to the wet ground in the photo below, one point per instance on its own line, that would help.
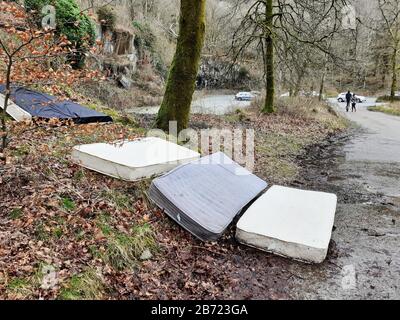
(363, 169)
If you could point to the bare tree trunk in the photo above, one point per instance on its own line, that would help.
(182, 76)
(394, 76)
(6, 99)
(299, 84)
(322, 87)
(269, 60)
(324, 72)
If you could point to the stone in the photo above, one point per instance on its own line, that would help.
(125, 82)
(146, 255)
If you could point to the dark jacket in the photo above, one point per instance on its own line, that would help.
(349, 96)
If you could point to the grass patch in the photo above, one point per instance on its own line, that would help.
(68, 204)
(88, 285)
(15, 213)
(141, 189)
(21, 151)
(330, 93)
(58, 232)
(80, 233)
(52, 230)
(237, 116)
(119, 199)
(79, 175)
(40, 232)
(20, 288)
(123, 250)
(95, 252)
(392, 109)
(279, 145)
(277, 150)
(117, 116)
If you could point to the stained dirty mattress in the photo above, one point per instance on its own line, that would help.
(205, 196)
(290, 222)
(133, 160)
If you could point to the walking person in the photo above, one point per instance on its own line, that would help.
(349, 97)
(354, 103)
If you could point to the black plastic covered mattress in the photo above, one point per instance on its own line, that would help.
(41, 105)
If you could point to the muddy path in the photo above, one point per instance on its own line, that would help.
(364, 260)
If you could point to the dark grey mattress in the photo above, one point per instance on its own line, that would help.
(205, 196)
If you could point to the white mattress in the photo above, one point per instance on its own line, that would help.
(133, 160)
(291, 223)
(15, 111)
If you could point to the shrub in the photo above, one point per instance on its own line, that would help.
(144, 37)
(70, 21)
(243, 74)
(137, 25)
(388, 99)
(107, 17)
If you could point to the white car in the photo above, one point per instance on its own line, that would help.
(244, 96)
(342, 98)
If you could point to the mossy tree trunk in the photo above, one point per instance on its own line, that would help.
(322, 85)
(269, 60)
(183, 73)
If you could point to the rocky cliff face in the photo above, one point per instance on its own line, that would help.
(117, 54)
(216, 73)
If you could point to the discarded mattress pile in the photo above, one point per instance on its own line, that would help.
(206, 195)
(133, 160)
(26, 104)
